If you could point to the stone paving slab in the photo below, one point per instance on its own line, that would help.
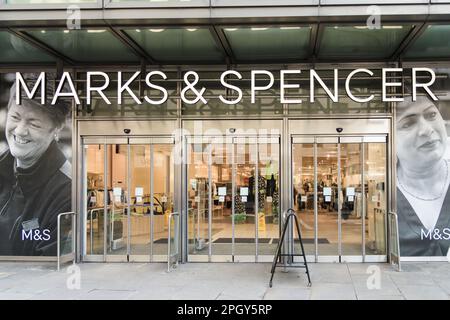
(223, 281)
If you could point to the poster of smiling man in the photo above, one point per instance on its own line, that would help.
(35, 170)
(423, 155)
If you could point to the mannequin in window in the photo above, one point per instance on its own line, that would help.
(270, 186)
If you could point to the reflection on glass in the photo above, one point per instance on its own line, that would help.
(328, 199)
(269, 206)
(375, 178)
(117, 214)
(198, 238)
(303, 179)
(140, 199)
(163, 174)
(245, 196)
(221, 174)
(351, 199)
(95, 188)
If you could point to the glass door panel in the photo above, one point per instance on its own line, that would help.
(246, 195)
(269, 219)
(350, 181)
(375, 180)
(328, 200)
(140, 162)
(94, 159)
(303, 179)
(117, 210)
(351, 199)
(221, 176)
(163, 197)
(197, 188)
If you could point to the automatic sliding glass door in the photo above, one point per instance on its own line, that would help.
(340, 196)
(131, 179)
(233, 198)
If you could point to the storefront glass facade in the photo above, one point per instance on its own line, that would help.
(230, 170)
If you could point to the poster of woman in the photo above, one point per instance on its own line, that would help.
(35, 172)
(423, 175)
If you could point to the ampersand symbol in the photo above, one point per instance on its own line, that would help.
(191, 86)
(436, 235)
(37, 235)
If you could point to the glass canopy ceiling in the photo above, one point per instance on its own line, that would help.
(224, 44)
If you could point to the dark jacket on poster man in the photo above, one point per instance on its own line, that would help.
(415, 238)
(31, 199)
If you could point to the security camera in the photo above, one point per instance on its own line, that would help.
(339, 130)
(127, 131)
(232, 130)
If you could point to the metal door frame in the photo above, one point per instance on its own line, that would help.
(106, 141)
(249, 140)
(364, 140)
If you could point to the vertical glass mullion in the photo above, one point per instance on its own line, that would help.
(152, 175)
(128, 200)
(256, 200)
(233, 195)
(316, 209)
(363, 200)
(105, 202)
(338, 198)
(210, 207)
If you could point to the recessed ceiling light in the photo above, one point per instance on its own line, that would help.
(156, 30)
(290, 28)
(138, 30)
(231, 29)
(191, 29)
(259, 29)
(392, 27)
(96, 31)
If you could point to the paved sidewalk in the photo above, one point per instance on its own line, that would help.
(241, 281)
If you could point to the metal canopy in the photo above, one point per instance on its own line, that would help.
(17, 50)
(178, 44)
(225, 44)
(85, 45)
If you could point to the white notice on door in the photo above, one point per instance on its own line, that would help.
(139, 191)
(222, 191)
(350, 191)
(117, 191)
